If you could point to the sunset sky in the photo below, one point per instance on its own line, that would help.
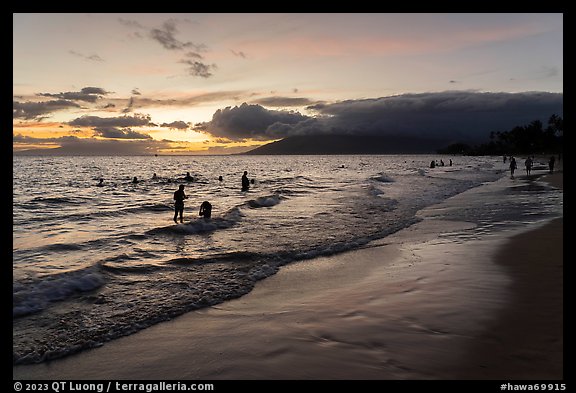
(223, 83)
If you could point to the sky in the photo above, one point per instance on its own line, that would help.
(217, 83)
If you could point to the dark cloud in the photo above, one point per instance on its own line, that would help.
(121, 121)
(198, 68)
(283, 101)
(117, 133)
(249, 121)
(166, 37)
(454, 115)
(36, 110)
(87, 94)
(179, 125)
(94, 90)
(86, 57)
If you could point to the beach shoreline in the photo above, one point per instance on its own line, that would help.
(390, 310)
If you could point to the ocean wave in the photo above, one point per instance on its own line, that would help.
(382, 178)
(286, 180)
(60, 200)
(236, 256)
(62, 247)
(32, 296)
(201, 225)
(265, 201)
(133, 269)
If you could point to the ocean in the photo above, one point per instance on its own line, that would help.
(93, 262)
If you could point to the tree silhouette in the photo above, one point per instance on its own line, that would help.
(529, 139)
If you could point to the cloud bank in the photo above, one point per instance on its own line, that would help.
(88, 94)
(249, 122)
(71, 145)
(137, 120)
(38, 110)
(452, 115)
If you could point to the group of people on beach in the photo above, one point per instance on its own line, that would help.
(205, 207)
(528, 163)
(180, 195)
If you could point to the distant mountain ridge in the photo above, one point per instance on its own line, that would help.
(350, 144)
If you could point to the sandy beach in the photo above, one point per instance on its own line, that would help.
(412, 306)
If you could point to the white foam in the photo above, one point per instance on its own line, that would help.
(35, 296)
(265, 201)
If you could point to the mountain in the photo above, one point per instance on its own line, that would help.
(350, 144)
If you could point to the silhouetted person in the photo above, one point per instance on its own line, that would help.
(551, 164)
(206, 209)
(179, 197)
(512, 166)
(101, 184)
(154, 176)
(450, 162)
(528, 165)
(135, 180)
(188, 177)
(432, 164)
(245, 181)
(220, 178)
(441, 162)
(505, 159)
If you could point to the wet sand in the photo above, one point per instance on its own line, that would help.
(411, 306)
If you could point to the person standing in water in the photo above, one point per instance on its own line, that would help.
(179, 197)
(512, 166)
(551, 164)
(528, 165)
(245, 181)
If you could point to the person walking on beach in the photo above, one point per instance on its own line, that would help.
(206, 209)
(179, 197)
(551, 164)
(528, 164)
(512, 166)
(245, 181)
